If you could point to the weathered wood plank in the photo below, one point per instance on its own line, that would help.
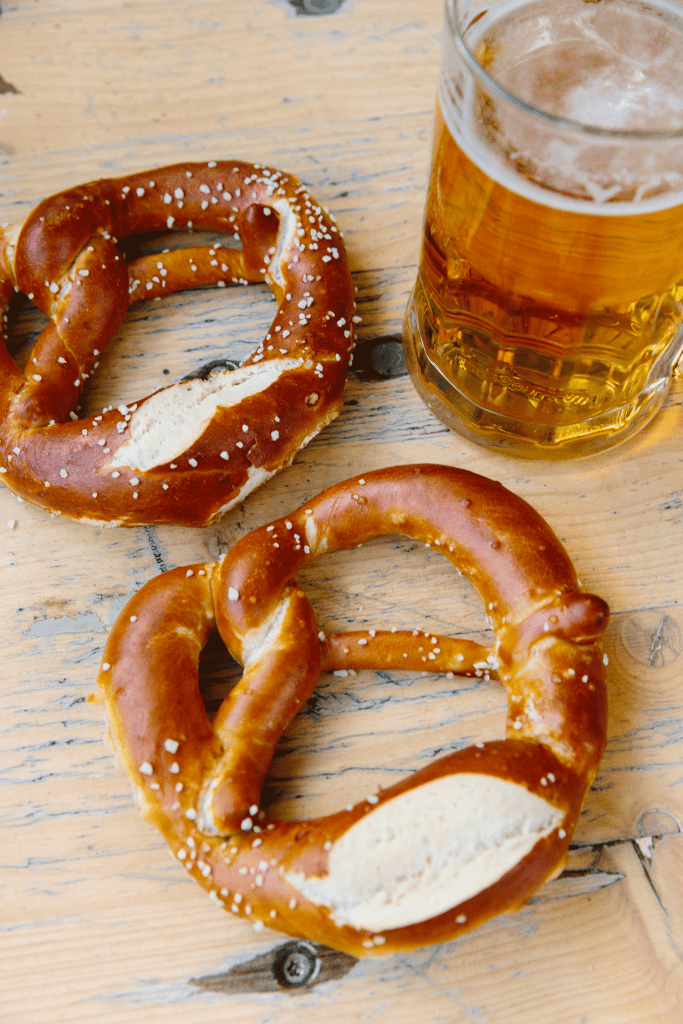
(134, 71)
(97, 923)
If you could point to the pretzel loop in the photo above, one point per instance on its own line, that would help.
(189, 452)
(471, 835)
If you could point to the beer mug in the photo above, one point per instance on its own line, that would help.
(546, 316)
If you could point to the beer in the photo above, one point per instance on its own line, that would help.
(546, 316)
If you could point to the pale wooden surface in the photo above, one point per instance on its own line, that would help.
(97, 924)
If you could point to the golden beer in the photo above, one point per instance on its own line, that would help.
(546, 315)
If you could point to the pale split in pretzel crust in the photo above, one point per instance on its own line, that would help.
(473, 834)
(191, 451)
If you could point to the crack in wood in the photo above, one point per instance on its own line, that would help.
(204, 371)
(7, 86)
(316, 8)
(155, 549)
(296, 966)
(667, 636)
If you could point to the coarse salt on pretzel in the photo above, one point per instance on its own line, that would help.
(189, 452)
(473, 834)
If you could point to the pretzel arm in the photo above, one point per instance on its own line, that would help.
(157, 722)
(279, 676)
(162, 273)
(70, 345)
(406, 649)
(12, 377)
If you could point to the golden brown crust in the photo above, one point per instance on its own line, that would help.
(66, 261)
(547, 655)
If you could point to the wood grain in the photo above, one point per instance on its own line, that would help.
(97, 923)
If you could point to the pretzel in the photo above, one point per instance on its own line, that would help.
(189, 452)
(473, 834)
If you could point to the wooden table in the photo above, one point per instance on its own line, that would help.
(97, 923)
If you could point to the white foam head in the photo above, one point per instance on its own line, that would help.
(594, 72)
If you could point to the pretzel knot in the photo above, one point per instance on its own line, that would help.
(189, 452)
(471, 835)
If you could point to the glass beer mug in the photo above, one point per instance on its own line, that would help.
(546, 316)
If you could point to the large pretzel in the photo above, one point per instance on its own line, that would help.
(472, 835)
(189, 452)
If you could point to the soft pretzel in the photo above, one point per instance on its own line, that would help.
(471, 835)
(189, 452)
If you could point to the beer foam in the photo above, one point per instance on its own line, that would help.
(615, 68)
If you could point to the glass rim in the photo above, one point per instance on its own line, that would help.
(608, 134)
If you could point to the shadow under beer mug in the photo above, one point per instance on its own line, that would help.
(546, 318)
